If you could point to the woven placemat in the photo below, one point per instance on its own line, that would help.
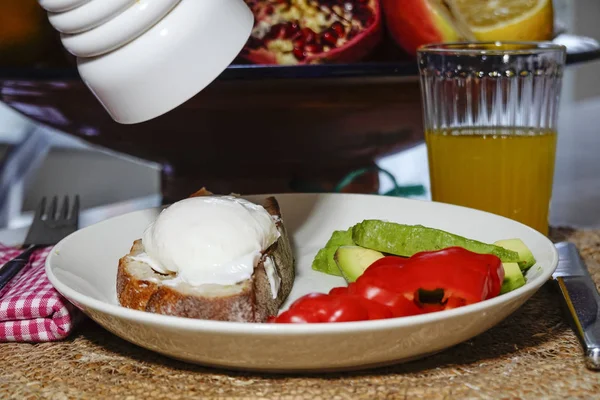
(532, 355)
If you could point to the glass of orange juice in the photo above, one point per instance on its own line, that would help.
(490, 112)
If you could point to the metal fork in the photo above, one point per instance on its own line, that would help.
(49, 227)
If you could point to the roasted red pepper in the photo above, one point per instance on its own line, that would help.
(395, 287)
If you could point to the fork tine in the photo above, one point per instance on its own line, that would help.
(64, 210)
(75, 209)
(53, 207)
(49, 226)
(39, 211)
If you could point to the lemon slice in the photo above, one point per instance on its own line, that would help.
(492, 20)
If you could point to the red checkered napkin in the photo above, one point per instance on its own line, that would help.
(31, 310)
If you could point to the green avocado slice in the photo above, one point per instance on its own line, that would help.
(513, 277)
(407, 240)
(354, 260)
(323, 261)
(526, 258)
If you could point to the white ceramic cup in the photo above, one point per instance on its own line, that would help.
(170, 62)
(159, 67)
(88, 16)
(119, 30)
(60, 5)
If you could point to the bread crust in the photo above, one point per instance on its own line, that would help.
(141, 288)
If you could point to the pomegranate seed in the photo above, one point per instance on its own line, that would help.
(329, 37)
(299, 54)
(290, 30)
(299, 43)
(275, 31)
(366, 19)
(313, 48)
(269, 10)
(309, 35)
(338, 28)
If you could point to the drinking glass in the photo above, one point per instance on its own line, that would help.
(490, 115)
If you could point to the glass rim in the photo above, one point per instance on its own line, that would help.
(492, 48)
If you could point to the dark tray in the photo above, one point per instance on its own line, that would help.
(580, 49)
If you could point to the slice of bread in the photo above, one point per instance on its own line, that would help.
(141, 288)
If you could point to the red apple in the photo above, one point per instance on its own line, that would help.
(413, 23)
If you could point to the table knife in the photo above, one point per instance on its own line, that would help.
(582, 300)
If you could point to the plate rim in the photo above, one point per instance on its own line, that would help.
(259, 328)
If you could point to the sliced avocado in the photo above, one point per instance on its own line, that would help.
(513, 277)
(526, 259)
(406, 240)
(354, 260)
(323, 261)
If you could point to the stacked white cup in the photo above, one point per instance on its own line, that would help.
(142, 58)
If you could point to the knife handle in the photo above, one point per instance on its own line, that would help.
(583, 302)
(14, 266)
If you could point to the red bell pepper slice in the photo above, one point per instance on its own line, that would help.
(318, 307)
(393, 287)
(463, 275)
(295, 317)
(339, 291)
(389, 260)
(462, 260)
(399, 305)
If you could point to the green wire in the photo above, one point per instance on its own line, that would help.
(399, 191)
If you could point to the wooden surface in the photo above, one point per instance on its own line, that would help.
(532, 355)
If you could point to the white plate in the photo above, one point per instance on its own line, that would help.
(84, 266)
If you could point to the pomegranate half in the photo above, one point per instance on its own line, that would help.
(291, 32)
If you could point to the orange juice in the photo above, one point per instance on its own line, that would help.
(506, 171)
